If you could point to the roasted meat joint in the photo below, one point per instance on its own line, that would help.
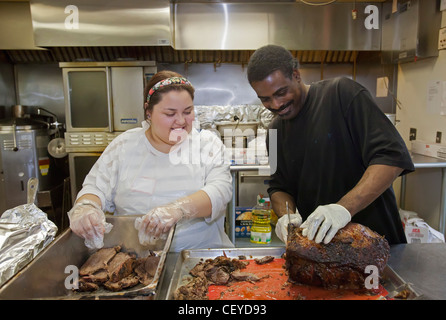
(116, 270)
(341, 263)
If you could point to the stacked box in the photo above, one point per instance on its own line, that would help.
(435, 150)
(243, 222)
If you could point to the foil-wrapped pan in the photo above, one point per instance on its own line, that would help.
(24, 231)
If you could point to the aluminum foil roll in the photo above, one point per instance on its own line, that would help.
(24, 231)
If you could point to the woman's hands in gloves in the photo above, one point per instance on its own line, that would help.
(88, 221)
(282, 224)
(158, 221)
(326, 222)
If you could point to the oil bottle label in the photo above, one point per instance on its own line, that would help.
(260, 237)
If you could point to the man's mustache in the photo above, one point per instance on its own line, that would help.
(283, 107)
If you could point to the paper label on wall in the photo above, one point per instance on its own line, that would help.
(436, 97)
(382, 85)
(443, 99)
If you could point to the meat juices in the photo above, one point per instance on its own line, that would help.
(338, 264)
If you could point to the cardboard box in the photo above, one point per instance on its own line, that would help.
(435, 150)
(243, 222)
(415, 234)
(417, 230)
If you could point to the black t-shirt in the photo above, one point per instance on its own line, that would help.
(323, 152)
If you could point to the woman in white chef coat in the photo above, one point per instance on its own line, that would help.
(167, 170)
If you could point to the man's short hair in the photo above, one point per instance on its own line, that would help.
(268, 59)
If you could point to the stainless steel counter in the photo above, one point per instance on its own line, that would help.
(422, 265)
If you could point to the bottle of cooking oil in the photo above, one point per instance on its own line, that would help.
(261, 223)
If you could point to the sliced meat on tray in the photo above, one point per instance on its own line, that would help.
(146, 268)
(116, 270)
(98, 261)
(244, 276)
(219, 271)
(120, 266)
(264, 260)
(127, 282)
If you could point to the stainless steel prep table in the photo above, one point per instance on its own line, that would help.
(422, 265)
(423, 162)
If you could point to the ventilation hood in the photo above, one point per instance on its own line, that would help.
(248, 25)
(202, 25)
(101, 22)
(411, 31)
(16, 31)
(188, 31)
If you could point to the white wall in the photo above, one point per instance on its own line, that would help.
(424, 185)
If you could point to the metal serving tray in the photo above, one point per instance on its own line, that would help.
(392, 282)
(44, 277)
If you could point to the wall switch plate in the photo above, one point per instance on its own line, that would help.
(412, 134)
(443, 5)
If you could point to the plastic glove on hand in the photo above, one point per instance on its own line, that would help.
(325, 222)
(88, 221)
(158, 221)
(282, 225)
(144, 237)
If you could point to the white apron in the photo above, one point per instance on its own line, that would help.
(149, 178)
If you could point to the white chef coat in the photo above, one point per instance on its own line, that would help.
(132, 177)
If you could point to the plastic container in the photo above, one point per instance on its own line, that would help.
(261, 223)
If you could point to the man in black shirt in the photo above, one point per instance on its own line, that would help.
(337, 152)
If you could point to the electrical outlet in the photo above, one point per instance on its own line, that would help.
(412, 134)
(438, 137)
(442, 39)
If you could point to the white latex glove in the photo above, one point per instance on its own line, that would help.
(326, 221)
(282, 224)
(145, 238)
(158, 221)
(88, 221)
